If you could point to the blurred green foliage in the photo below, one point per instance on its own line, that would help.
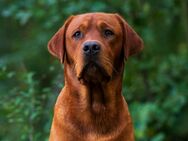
(155, 82)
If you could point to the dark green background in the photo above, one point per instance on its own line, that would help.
(155, 81)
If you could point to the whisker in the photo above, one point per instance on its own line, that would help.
(108, 62)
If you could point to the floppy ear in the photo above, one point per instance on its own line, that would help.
(56, 45)
(132, 43)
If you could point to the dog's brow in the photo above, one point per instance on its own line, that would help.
(103, 24)
(82, 26)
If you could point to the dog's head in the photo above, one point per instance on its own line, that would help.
(95, 45)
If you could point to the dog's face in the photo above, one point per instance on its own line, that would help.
(95, 45)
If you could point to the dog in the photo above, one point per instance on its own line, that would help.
(93, 48)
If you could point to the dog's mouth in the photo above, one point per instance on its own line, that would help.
(93, 72)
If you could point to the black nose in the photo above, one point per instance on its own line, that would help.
(91, 47)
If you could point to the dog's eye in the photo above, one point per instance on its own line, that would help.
(77, 35)
(108, 33)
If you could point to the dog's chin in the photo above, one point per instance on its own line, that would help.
(93, 73)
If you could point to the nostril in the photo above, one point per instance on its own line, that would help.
(86, 48)
(96, 47)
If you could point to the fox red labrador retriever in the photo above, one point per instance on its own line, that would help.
(91, 107)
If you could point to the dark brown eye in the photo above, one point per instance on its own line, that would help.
(108, 33)
(77, 35)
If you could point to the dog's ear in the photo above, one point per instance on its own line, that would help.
(56, 45)
(132, 43)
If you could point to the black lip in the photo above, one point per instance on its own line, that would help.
(106, 76)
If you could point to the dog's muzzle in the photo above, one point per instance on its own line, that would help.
(92, 71)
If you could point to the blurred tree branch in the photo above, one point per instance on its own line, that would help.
(184, 17)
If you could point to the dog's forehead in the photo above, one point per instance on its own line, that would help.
(95, 18)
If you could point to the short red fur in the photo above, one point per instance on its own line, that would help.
(91, 107)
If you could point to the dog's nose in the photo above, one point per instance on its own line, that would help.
(91, 47)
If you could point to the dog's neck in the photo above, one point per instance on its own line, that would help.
(96, 96)
(95, 105)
